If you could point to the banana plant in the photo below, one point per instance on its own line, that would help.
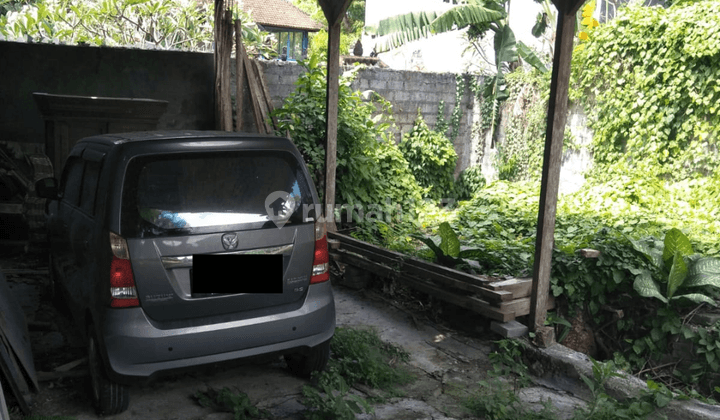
(478, 16)
(682, 271)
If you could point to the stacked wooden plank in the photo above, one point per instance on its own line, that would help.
(498, 299)
(246, 71)
(259, 94)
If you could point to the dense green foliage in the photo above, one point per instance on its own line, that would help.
(432, 159)
(649, 79)
(371, 170)
(168, 24)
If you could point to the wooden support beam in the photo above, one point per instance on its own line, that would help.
(333, 76)
(239, 75)
(334, 10)
(223, 47)
(557, 116)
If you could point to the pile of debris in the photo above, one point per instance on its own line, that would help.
(22, 211)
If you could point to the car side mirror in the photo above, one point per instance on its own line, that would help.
(47, 188)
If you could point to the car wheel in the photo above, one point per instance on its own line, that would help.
(304, 364)
(108, 397)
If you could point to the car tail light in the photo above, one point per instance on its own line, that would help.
(320, 268)
(122, 282)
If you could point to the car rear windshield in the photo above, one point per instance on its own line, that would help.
(175, 194)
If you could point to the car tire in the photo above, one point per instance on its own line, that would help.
(108, 397)
(305, 364)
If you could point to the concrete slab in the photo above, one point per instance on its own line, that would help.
(510, 329)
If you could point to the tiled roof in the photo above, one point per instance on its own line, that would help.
(280, 13)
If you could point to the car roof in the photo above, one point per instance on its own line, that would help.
(149, 136)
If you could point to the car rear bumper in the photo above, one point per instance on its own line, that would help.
(138, 350)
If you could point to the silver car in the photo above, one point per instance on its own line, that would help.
(178, 249)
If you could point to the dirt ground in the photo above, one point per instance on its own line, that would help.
(446, 362)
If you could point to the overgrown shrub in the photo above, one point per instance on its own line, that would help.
(432, 159)
(371, 171)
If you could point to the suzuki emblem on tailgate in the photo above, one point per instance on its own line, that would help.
(229, 240)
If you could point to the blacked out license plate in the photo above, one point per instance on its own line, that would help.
(245, 273)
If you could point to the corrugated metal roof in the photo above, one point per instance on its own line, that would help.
(280, 13)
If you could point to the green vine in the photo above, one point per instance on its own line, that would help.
(442, 125)
(483, 94)
(649, 80)
(432, 159)
(521, 152)
(457, 111)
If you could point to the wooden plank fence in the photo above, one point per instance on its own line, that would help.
(496, 298)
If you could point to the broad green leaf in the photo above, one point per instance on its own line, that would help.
(438, 252)
(530, 57)
(704, 272)
(505, 46)
(676, 241)
(449, 244)
(646, 287)
(655, 255)
(404, 28)
(462, 16)
(678, 272)
(697, 298)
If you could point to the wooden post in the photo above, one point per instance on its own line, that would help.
(333, 73)
(223, 47)
(239, 75)
(557, 116)
(334, 11)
